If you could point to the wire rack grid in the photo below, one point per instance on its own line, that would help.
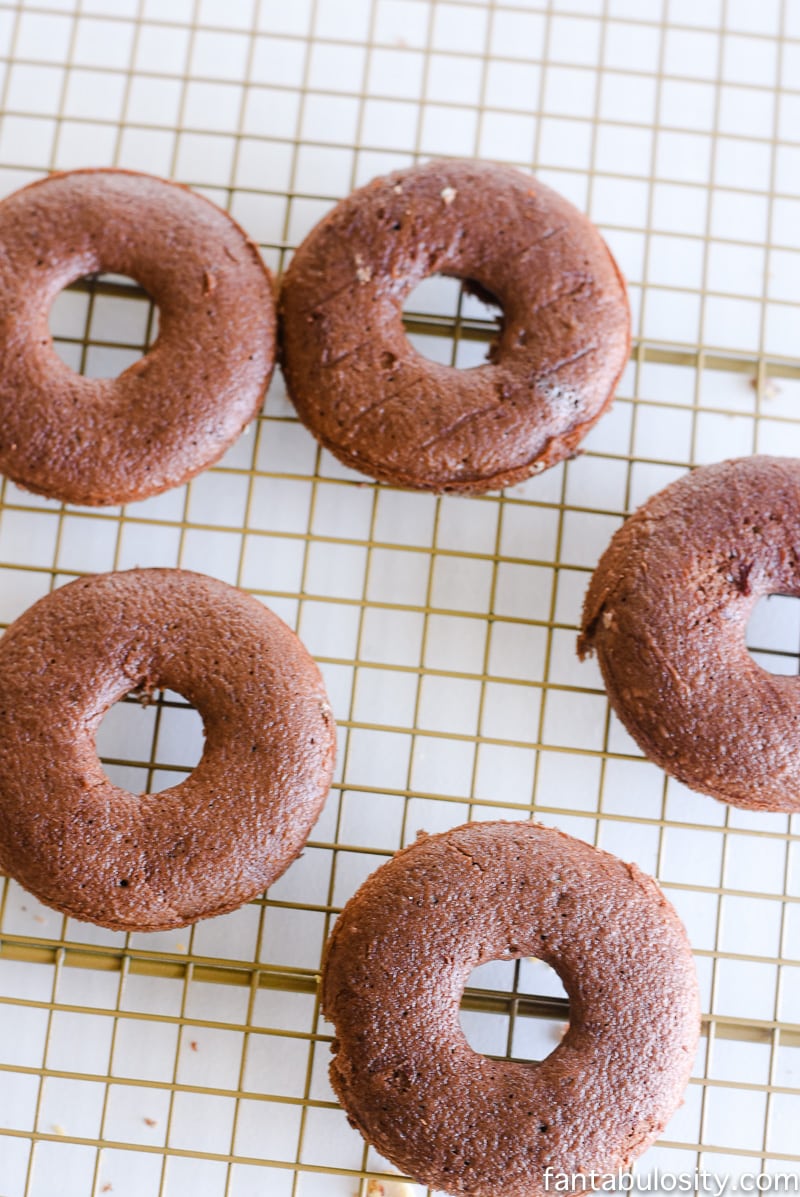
(195, 1061)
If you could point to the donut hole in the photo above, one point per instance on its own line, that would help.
(102, 323)
(514, 1008)
(147, 747)
(773, 634)
(452, 321)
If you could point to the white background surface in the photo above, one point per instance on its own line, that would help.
(445, 627)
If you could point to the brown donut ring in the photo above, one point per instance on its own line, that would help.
(380, 406)
(176, 410)
(667, 610)
(203, 847)
(395, 970)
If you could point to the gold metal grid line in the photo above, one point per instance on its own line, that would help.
(189, 965)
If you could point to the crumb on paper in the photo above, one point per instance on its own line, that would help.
(107, 1187)
(180, 947)
(389, 1188)
(38, 918)
(58, 1129)
(448, 194)
(150, 1121)
(770, 389)
(193, 1044)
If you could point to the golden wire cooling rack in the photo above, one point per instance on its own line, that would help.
(195, 1061)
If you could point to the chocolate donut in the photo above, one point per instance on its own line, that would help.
(152, 861)
(177, 409)
(380, 406)
(394, 972)
(666, 613)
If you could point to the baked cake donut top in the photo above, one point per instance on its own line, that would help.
(379, 405)
(175, 410)
(395, 970)
(199, 848)
(666, 613)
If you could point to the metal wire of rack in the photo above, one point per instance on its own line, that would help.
(196, 1060)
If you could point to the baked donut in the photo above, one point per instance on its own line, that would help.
(666, 613)
(380, 406)
(394, 972)
(175, 411)
(152, 861)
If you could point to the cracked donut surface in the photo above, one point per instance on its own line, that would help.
(666, 614)
(395, 970)
(384, 409)
(148, 862)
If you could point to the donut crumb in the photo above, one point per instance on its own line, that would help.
(390, 1188)
(769, 389)
(448, 194)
